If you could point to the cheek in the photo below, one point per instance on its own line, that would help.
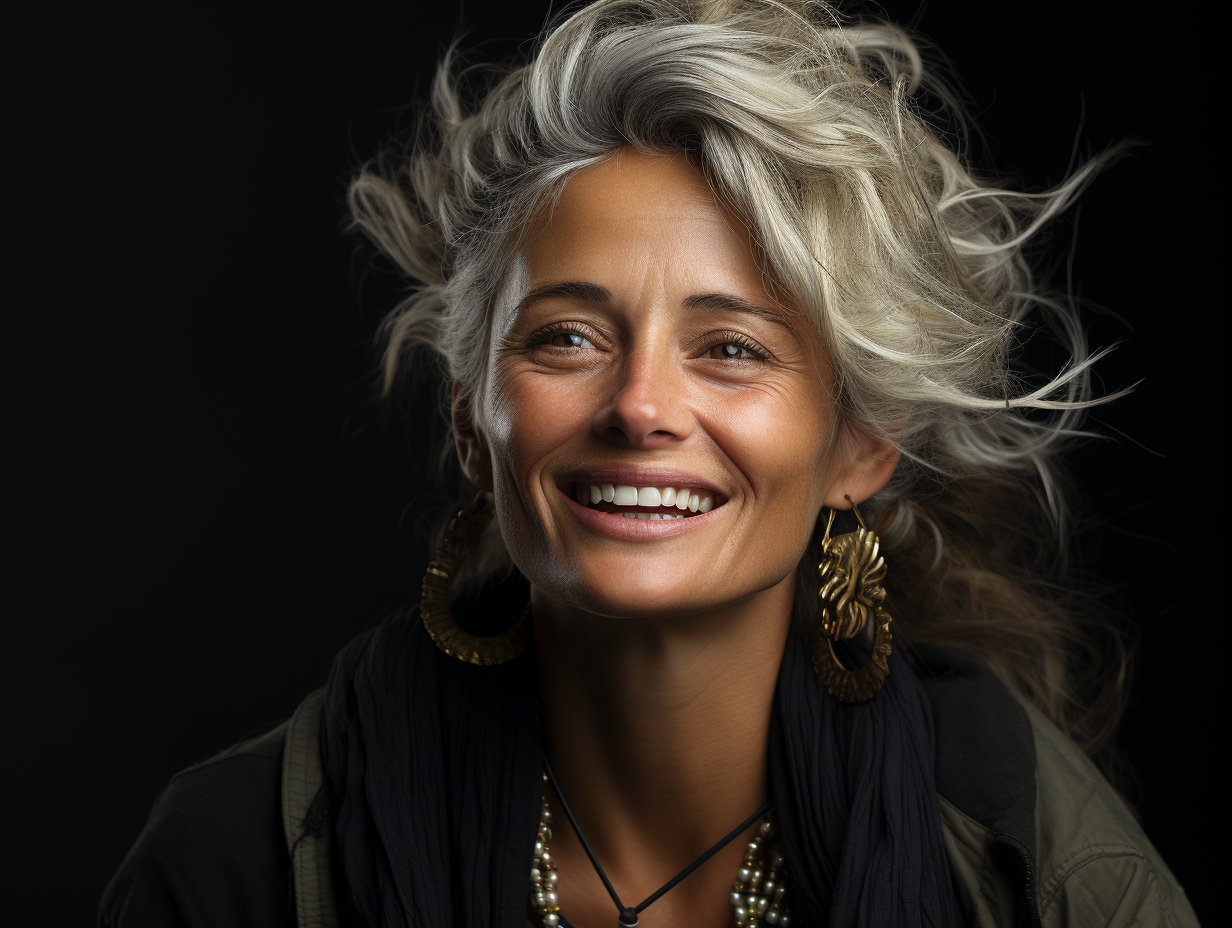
(782, 444)
(531, 417)
(529, 414)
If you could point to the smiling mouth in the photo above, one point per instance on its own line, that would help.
(652, 503)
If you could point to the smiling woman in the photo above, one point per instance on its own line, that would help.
(764, 526)
(640, 361)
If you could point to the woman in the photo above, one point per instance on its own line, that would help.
(715, 305)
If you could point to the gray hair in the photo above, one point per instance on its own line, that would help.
(907, 262)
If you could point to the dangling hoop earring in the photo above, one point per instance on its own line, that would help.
(463, 532)
(852, 574)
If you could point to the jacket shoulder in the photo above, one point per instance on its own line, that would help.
(1095, 863)
(212, 851)
(1033, 831)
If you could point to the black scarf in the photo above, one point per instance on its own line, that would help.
(434, 773)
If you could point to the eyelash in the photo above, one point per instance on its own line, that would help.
(543, 337)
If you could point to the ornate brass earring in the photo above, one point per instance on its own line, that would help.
(463, 532)
(851, 594)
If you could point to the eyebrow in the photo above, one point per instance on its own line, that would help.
(734, 304)
(593, 293)
(569, 290)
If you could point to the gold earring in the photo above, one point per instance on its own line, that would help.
(852, 574)
(463, 532)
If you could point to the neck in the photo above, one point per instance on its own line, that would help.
(657, 731)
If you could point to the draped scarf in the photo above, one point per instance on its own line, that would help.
(433, 770)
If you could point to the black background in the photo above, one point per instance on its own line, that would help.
(205, 507)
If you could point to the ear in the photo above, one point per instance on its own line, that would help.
(472, 453)
(867, 465)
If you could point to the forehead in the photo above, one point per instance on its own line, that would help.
(647, 213)
(638, 186)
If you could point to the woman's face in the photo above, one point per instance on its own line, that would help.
(638, 359)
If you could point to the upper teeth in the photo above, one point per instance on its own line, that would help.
(622, 495)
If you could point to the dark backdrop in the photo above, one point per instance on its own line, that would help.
(206, 507)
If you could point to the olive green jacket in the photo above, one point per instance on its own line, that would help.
(1081, 860)
(1036, 836)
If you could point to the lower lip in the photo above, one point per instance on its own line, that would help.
(617, 525)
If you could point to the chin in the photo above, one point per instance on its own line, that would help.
(630, 597)
(651, 598)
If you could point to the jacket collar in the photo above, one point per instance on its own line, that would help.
(985, 761)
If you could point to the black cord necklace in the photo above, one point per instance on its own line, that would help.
(628, 914)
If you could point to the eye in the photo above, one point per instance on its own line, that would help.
(735, 348)
(569, 340)
(563, 342)
(730, 351)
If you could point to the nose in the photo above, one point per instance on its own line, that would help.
(647, 407)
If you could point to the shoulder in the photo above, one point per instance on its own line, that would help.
(212, 851)
(1096, 865)
(1029, 822)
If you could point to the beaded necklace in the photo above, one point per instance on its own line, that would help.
(758, 897)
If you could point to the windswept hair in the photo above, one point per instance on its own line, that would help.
(908, 263)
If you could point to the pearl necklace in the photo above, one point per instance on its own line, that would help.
(758, 897)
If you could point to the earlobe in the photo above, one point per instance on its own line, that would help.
(472, 453)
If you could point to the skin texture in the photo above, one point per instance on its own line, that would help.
(658, 653)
